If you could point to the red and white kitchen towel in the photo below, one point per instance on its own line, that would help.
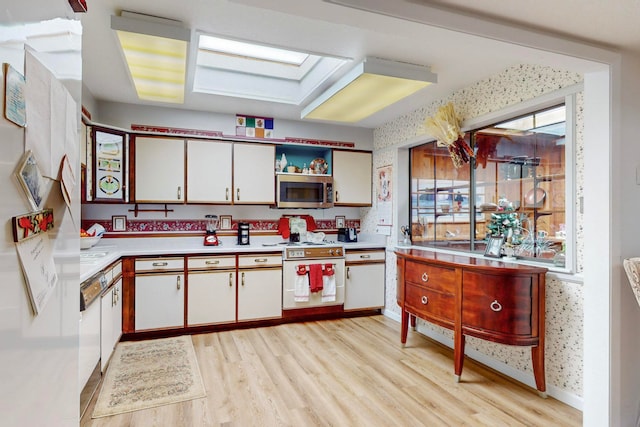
(315, 278)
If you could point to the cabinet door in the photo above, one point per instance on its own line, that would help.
(209, 171)
(159, 170)
(259, 294)
(364, 286)
(111, 323)
(254, 173)
(211, 297)
(159, 301)
(352, 178)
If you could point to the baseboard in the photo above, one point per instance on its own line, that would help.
(563, 396)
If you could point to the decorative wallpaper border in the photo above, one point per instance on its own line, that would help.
(199, 225)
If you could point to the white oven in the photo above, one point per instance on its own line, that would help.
(304, 268)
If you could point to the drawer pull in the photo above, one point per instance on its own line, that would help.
(424, 300)
(425, 277)
(348, 273)
(365, 256)
(178, 282)
(495, 305)
(260, 260)
(179, 193)
(237, 194)
(230, 280)
(226, 194)
(160, 264)
(243, 278)
(212, 262)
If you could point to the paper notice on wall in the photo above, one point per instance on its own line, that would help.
(38, 104)
(384, 196)
(39, 270)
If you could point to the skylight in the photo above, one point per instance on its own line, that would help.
(250, 70)
(252, 51)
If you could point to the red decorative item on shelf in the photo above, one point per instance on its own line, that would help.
(79, 6)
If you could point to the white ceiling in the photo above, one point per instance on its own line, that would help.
(317, 26)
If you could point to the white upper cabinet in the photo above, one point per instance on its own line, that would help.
(209, 171)
(253, 173)
(352, 178)
(159, 170)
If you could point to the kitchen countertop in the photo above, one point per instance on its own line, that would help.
(109, 250)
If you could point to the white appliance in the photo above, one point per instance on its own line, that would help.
(303, 255)
(39, 356)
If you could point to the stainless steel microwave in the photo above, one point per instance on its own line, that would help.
(304, 191)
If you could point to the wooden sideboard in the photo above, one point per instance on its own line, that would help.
(487, 299)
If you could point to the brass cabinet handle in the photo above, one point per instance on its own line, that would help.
(237, 194)
(365, 256)
(495, 305)
(179, 192)
(160, 264)
(226, 194)
(243, 278)
(348, 273)
(178, 282)
(214, 262)
(425, 277)
(260, 260)
(230, 279)
(424, 300)
(337, 196)
(113, 297)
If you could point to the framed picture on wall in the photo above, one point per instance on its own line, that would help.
(225, 222)
(340, 221)
(119, 223)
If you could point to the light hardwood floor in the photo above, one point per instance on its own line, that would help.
(346, 372)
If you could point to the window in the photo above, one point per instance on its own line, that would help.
(514, 187)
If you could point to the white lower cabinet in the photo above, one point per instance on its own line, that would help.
(110, 322)
(259, 287)
(159, 301)
(212, 290)
(364, 281)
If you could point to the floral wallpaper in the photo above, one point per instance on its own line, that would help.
(564, 300)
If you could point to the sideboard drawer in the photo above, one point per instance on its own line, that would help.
(501, 304)
(430, 304)
(437, 278)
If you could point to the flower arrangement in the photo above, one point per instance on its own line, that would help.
(445, 128)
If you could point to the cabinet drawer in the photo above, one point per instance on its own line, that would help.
(146, 265)
(260, 260)
(437, 278)
(211, 263)
(430, 304)
(364, 257)
(117, 270)
(498, 304)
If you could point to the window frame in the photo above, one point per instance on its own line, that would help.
(573, 204)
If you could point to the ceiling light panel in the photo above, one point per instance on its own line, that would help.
(371, 86)
(155, 50)
(252, 50)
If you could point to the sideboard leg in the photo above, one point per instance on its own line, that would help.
(537, 356)
(458, 355)
(404, 327)
(413, 322)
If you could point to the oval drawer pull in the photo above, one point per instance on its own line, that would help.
(424, 300)
(365, 256)
(425, 277)
(260, 260)
(495, 305)
(212, 262)
(160, 264)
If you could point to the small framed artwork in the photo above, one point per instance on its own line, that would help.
(340, 221)
(225, 222)
(119, 223)
(493, 246)
(31, 180)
